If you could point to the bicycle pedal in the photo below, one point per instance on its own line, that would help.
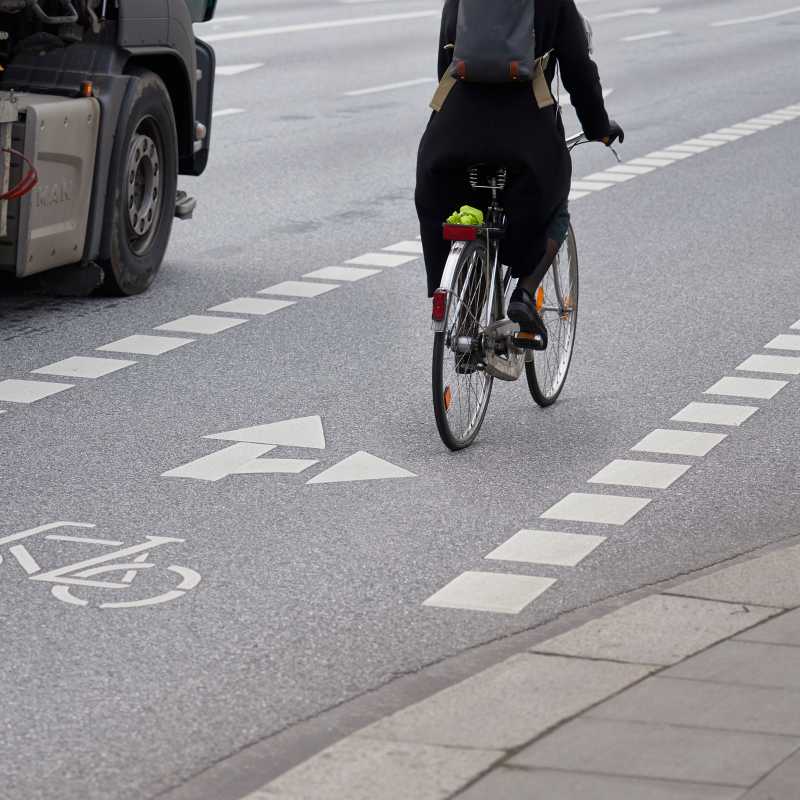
(529, 341)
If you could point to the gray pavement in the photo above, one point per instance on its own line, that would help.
(311, 598)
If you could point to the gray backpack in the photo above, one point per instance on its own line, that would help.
(495, 41)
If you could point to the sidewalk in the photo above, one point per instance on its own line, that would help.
(692, 694)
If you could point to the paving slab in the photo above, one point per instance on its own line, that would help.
(770, 580)
(784, 629)
(361, 769)
(509, 704)
(745, 663)
(706, 705)
(543, 784)
(659, 751)
(783, 782)
(656, 630)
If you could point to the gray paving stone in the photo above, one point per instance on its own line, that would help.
(657, 630)
(362, 769)
(543, 784)
(706, 705)
(782, 630)
(746, 663)
(780, 784)
(508, 704)
(659, 751)
(769, 580)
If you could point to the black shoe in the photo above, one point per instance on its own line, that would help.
(522, 310)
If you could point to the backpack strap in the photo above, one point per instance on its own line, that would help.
(443, 91)
(541, 89)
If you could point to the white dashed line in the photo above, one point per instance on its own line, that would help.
(642, 37)
(715, 414)
(796, 326)
(227, 112)
(784, 342)
(631, 169)
(219, 465)
(758, 18)
(489, 591)
(390, 87)
(299, 289)
(642, 474)
(382, 260)
(201, 324)
(601, 508)
(342, 273)
(82, 367)
(781, 365)
(258, 306)
(675, 155)
(590, 186)
(679, 443)
(237, 69)
(752, 388)
(631, 12)
(14, 391)
(406, 247)
(614, 177)
(145, 345)
(652, 162)
(547, 547)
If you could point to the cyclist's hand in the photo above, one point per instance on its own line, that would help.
(615, 133)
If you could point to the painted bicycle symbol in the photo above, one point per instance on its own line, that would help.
(99, 572)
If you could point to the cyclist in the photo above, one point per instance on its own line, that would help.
(507, 124)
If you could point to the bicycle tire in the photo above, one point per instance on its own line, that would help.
(547, 372)
(448, 364)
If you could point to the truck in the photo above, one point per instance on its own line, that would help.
(103, 105)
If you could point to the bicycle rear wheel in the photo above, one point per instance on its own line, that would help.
(461, 386)
(557, 299)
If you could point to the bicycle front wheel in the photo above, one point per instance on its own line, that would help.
(461, 386)
(557, 300)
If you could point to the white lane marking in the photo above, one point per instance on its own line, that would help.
(679, 443)
(389, 87)
(631, 12)
(406, 247)
(573, 195)
(342, 273)
(628, 169)
(643, 474)
(258, 306)
(254, 33)
(83, 367)
(675, 155)
(382, 260)
(752, 126)
(489, 591)
(590, 186)
(219, 465)
(275, 466)
(144, 345)
(547, 547)
(722, 137)
(784, 342)
(738, 132)
(641, 37)
(300, 432)
(236, 69)
(299, 289)
(687, 148)
(614, 177)
(56, 537)
(755, 120)
(361, 466)
(651, 162)
(227, 112)
(715, 414)
(705, 142)
(752, 388)
(796, 326)
(201, 323)
(782, 365)
(758, 18)
(600, 508)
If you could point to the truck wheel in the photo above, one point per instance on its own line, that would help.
(143, 184)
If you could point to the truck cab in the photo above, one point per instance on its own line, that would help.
(103, 105)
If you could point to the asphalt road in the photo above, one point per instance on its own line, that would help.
(312, 594)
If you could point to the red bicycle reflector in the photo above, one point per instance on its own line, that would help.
(439, 305)
(460, 233)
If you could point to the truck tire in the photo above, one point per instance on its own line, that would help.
(143, 186)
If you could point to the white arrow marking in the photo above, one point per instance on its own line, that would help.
(275, 466)
(361, 467)
(237, 69)
(300, 432)
(219, 465)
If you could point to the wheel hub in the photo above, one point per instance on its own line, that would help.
(143, 186)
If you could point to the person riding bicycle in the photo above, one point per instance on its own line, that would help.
(509, 125)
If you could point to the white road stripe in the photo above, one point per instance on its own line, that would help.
(547, 547)
(219, 465)
(14, 391)
(715, 414)
(677, 155)
(255, 33)
(490, 591)
(406, 247)
(388, 87)
(687, 148)
(753, 388)
(614, 177)
(758, 18)
(227, 112)
(651, 162)
(83, 367)
(737, 132)
(299, 289)
(641, 37)
(145, 345)
(782, 365)
(723, 137)
(706, 142)
(679, 443)
(573, 195)
(236, 69)
(601, 508)
(631, 12)
(631, 169)
(382, 260)
(260, 306)
(784, 342)
(641, 474)
(590, 186)
(202, 324)
(342, 273)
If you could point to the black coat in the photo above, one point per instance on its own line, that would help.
(502, 124)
